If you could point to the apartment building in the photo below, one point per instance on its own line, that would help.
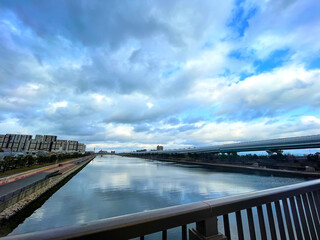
(49, 143)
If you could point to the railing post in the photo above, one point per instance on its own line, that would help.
(206, 230)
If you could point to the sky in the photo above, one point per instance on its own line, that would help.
(126, 75)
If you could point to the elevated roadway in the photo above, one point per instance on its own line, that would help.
(271, 145)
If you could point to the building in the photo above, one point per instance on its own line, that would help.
(72, 146)
(159, 148)
(15, 142)
(48, 143)
(81, 147)
(59, 146)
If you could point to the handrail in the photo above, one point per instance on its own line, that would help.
(140, 224)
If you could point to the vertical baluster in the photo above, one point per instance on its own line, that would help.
(288, 219)
(271, 222)
(302, 218)
(262, 226)
(280, 220)
(226, 225)
(295, 218)
(317, 202)
(308, 216)
(251, 224)
(314, 213)
(184, 232)
(239, 225)
(164, 235)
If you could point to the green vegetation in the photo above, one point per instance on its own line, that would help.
(274, 161)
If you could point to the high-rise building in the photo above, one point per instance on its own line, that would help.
(159, 148)
(19, 143)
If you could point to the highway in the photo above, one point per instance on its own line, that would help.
(304, 142)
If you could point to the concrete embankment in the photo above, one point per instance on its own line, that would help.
(242, 168)
(13, 202)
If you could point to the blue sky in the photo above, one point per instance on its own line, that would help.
(127, 75)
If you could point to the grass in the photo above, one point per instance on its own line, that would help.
(20, 170)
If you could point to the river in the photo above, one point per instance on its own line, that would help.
(112, 185)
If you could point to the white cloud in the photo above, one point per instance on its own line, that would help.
(149, 104)
(52, 108)
(284, 89)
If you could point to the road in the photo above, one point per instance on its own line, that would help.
(13, 186)
(18, 184)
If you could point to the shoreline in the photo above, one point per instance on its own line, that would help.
(243, 168)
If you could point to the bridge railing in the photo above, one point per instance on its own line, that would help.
(288, 212)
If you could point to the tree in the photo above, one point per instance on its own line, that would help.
(60, 157)
(53, 158)
(8, 163)
(29, 160)
(20, 162)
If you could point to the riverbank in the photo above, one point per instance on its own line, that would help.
(13, 205)
(241, 168)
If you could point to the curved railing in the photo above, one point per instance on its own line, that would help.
(288, 212)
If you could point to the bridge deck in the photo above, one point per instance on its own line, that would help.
(304, 142)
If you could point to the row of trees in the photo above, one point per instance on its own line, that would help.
(10, 162)
(243, 159)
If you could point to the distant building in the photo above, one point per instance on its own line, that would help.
(48, 143)
(113, 152)
(102, 152)
(159, 148)
(142, 150)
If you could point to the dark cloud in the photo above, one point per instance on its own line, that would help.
(93, 23)
(142, 127)
(172, 121)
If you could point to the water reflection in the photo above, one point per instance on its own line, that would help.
(112, 186)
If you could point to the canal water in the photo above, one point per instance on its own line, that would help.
(112, 185)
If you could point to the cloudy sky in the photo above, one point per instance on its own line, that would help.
(132, 74)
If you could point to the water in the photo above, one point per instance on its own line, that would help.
(111, 186)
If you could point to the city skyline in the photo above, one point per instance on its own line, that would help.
(132, 75)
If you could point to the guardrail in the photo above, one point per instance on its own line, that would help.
(292, 212)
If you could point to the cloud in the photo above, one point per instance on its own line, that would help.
(283, 24)
(273, 93)
(177, 73)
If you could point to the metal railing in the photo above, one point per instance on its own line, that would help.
(292, 212)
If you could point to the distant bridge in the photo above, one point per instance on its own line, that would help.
(271, 146)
